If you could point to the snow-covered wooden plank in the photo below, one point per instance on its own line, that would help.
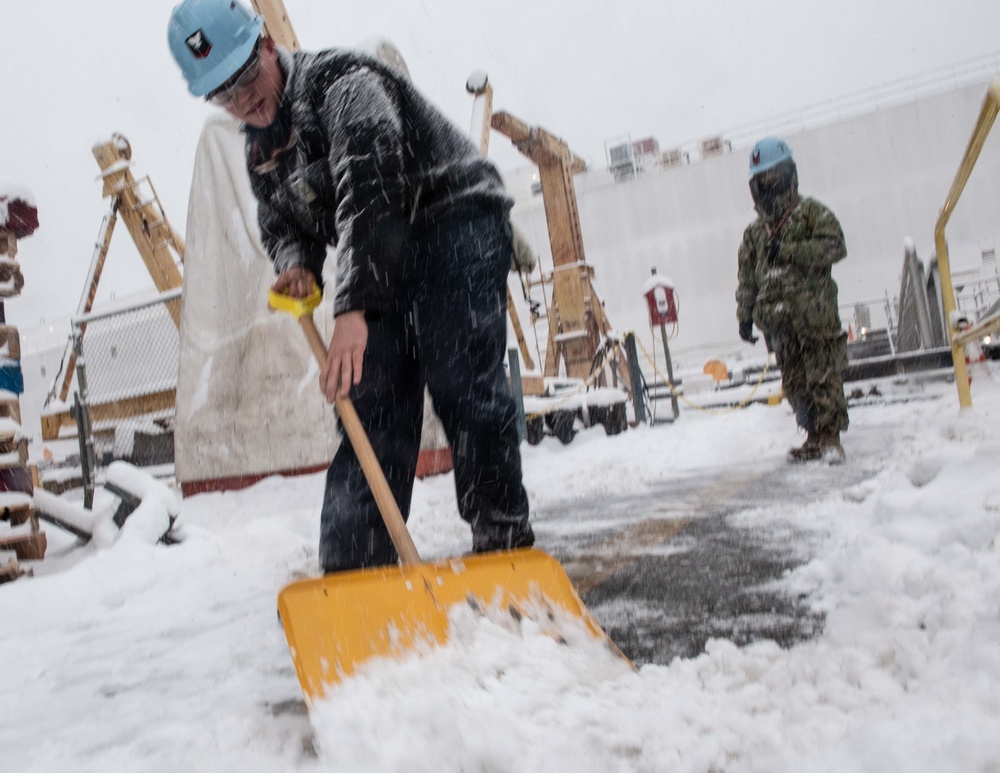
(10, 342)
(17, 511)
(9, 568)
(27, 545)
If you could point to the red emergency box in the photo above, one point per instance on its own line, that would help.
(660, 300)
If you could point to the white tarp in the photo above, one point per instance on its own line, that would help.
(248, 401)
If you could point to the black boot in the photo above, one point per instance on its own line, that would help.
(808, 451)
(830, 448)
(492, 538)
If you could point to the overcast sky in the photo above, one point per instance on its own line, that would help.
(586, 70)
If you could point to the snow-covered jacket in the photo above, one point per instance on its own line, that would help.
(795, 291)
(358, 159)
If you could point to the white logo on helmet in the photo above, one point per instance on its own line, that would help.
(199, 44)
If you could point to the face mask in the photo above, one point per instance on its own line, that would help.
(770, 186)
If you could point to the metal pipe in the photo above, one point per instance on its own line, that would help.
(670, 373)
(517, 391)
(987, 115)
(85, 430)
(162, 298)
(635, 375)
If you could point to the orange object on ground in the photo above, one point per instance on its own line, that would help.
(716, 369)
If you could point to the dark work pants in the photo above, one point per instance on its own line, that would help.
(450, 334)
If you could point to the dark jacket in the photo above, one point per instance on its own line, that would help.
(795, 291)
(358, 159)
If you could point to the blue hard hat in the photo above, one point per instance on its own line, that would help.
(211, 40)
(767, 154)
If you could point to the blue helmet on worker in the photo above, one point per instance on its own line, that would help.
(767, 154)
(211, 40)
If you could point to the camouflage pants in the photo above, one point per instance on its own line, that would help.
(812, 378)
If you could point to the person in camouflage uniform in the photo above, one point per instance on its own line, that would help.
(787, 290)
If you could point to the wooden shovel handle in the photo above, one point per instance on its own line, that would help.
(366, 455)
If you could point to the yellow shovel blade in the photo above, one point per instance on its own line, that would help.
(337, 622)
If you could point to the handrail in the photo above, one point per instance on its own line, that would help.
(113, 310)
(983, 327)
(987, 115)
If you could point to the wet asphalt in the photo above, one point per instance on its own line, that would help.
(663, 579)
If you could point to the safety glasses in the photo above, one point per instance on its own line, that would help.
(244, 78)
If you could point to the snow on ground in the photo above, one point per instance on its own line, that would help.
(142, 657)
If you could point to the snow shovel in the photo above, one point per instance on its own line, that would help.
(336, 623)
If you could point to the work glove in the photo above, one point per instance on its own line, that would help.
(746, 332)
(771, 250)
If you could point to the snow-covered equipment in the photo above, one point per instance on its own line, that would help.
(149, 505)
(136, 203)
(20, 537)
(71, 517)
(580, 346)
(767, 154)
(211, 40)
(337, 622)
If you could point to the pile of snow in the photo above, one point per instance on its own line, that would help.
(179, 653)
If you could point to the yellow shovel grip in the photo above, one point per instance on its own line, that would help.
(297, 307)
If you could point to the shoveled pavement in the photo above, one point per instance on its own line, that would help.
(667, 571)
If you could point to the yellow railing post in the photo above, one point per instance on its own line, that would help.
(988, 114)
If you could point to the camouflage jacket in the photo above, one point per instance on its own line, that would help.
(797, 291)
(358, 159)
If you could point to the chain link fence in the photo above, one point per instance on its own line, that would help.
(126, 371)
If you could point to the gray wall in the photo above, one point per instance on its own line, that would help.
(885, 175)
